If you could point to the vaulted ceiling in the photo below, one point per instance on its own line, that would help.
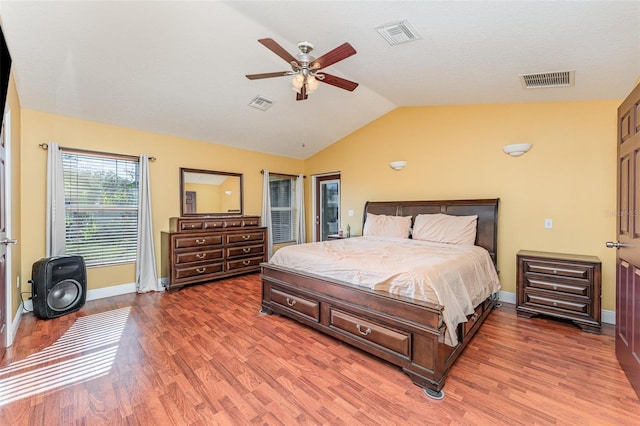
(179, 67)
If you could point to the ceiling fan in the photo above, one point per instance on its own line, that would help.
(307, 70)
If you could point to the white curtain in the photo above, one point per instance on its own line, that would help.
(301, 234)
(266, 212)
(146, 273)
(55, 214)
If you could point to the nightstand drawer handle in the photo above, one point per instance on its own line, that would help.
(201, 270)
(365, 332)
(290, 302)
(246, 250)
(201, 241)
(246, 262)
(246, 237)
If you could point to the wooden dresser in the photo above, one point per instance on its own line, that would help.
(561, 285)
(201, 249)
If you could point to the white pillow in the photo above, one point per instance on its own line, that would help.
(444, 228)
(380, 225)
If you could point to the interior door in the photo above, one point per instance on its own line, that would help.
(628, 244)
(327, 210)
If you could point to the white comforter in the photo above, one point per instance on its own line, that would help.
(457, 277)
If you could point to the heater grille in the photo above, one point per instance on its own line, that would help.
(548, 79)
(398, 32)
(262, 103)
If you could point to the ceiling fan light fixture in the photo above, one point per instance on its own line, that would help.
(312, 84)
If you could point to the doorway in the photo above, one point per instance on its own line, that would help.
(327, 206)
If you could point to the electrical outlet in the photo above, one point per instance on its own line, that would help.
(548, 223)
(350, 213)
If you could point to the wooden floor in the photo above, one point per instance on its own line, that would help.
(205, 356)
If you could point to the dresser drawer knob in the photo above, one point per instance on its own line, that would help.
(201, 270)
(555, 271)
(555, 303)
(201, 241)
(201, 255)
(246, 237)
(365, 332)
(246, 262)
(291, 302)
(555, 287)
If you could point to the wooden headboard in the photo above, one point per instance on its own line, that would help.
(487, 211)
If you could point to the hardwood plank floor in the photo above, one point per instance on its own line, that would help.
(205, 356)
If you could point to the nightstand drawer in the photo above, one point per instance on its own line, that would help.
(550, 301)
(559, 269)
(559, 284)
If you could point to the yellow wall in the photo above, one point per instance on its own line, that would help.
(455, 152)
(171, 153)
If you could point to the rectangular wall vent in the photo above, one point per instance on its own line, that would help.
(548, 79)
(398, 32)
(261, 102)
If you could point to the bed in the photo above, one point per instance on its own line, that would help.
(400, 326)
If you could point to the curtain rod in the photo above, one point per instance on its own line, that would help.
(87, 151)
(281, 174)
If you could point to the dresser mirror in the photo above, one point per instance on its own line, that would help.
(210, 193)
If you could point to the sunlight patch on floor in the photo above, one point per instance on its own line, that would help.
(85, 351)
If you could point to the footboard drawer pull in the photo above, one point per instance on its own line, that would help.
(201, 270)
(365, 332)
(201, 255)
(290, 302)
(201, 241)
(246, 249)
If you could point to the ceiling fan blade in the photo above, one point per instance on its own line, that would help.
(339, 82)
(268, 75)
(273, 46)
(302, 95)
(339, 53)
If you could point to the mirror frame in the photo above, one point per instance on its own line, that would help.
(184, 170)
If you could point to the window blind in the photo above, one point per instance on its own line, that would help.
(101, 204)
(282, 210)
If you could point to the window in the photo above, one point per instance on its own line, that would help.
(282, 208)
(101, 203)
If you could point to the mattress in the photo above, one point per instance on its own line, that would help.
(457, 277)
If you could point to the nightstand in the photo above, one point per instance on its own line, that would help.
(561, 285)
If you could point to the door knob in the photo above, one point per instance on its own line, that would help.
(8, 241)
(616, 244)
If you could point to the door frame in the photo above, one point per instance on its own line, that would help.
(8, 270)
(315, 198)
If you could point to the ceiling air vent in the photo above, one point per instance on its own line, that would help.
(548, 79)
(398, 32)
(262, 103)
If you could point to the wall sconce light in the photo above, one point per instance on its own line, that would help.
(397, 165)
(516, 149)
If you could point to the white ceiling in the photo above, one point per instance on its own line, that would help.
(178, 67)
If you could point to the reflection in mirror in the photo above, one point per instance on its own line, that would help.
(206, 192)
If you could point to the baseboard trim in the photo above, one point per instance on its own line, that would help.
(607, 317)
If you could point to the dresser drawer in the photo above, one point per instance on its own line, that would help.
(558, 284)
(303, 306)
(234, 223)
(193, 225)
(558, 268)
(197, 241)
(254, 221)
(370, 331)
(244, 236)
(198, 256)
(250, 262)
(184, 272)
(244, 250)
(213, 224)
(561, 304)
